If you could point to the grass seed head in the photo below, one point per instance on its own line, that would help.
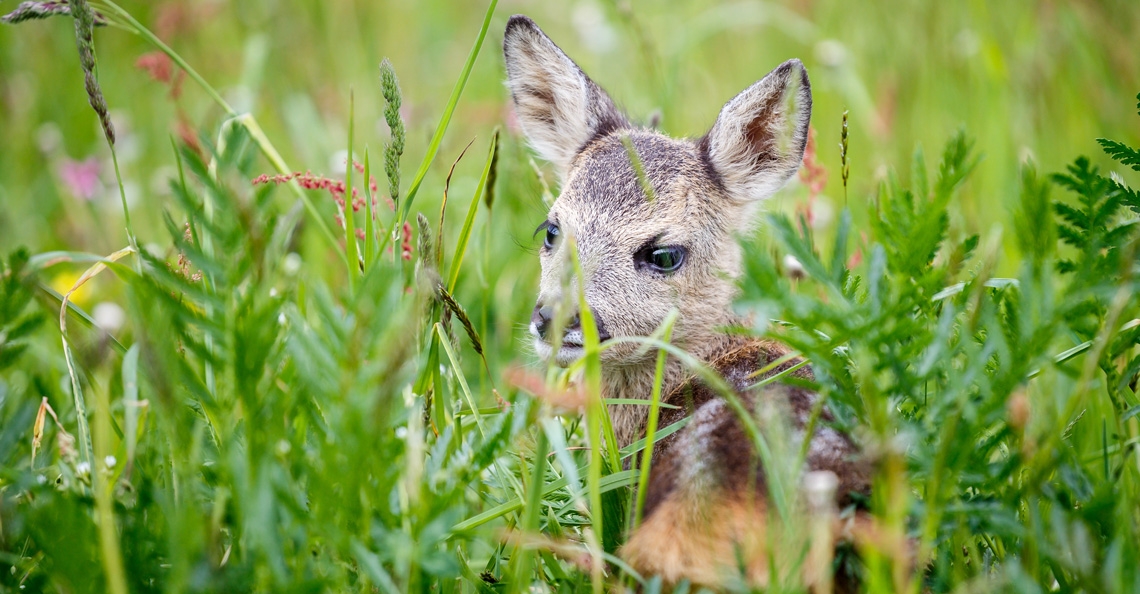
(85, 41)
(29, 11)
(390, 87)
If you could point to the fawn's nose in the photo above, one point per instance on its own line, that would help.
(543, 320)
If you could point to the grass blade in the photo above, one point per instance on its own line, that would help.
(131, 404)
(523, 558)
(595, 411)
(446, 344)
(246, 120)
(651, 428)
(448, 111)
(83, 431)
(465, 233)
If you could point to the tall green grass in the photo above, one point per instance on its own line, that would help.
(284, 413)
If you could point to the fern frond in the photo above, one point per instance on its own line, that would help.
(1121, 153)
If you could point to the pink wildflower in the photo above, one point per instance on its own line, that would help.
(160, 68)
(81, 177)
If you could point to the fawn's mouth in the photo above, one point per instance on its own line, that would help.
(566, 355)
(570, 350)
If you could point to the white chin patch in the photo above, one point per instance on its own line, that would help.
(565, 355)
(568, 354)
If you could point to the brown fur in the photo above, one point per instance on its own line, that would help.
(706, 504)
(719, 540)
(702, 543)
(840, 455)
(726, 504)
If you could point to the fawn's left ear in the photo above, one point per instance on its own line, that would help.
(758, 140)
(559, 107)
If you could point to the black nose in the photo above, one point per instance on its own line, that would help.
(543, 318)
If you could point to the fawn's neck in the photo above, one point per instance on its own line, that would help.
(636, 381)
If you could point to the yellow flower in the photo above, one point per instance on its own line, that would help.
(64, 281)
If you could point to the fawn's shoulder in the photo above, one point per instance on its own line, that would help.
(716, 445)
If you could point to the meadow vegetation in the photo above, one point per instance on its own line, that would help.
(266, 268)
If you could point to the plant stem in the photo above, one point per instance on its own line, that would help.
(370, 223)
(104, 506)
(350, 247)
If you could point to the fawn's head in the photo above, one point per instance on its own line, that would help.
(655, 240)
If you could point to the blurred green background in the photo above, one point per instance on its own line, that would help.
(1027, 80)
(1037, 80)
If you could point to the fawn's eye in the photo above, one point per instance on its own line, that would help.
(551, 235)
(665, 259)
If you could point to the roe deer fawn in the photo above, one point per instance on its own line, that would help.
(645, 253)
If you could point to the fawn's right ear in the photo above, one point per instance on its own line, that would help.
(559, 107)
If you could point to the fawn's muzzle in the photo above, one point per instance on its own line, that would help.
(542, 319)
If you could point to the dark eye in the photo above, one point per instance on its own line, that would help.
(551, 235)
(662, 259)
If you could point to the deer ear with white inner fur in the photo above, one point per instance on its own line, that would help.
(758, 140)
(559, 107)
